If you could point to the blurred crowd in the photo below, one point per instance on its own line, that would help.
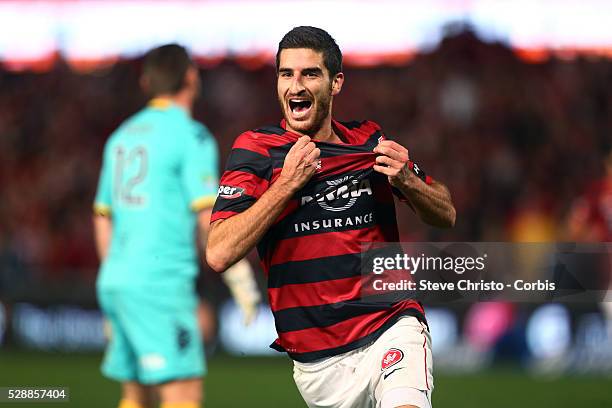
(515, 141)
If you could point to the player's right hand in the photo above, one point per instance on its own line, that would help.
(300, 164)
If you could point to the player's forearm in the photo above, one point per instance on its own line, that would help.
(103, 229)
(432, 203)
(231, 239)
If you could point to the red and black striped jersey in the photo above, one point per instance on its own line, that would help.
(312, 253)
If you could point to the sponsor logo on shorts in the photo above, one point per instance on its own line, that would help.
(152, 362)
(391, 358)
(230, 192)
(391, 372)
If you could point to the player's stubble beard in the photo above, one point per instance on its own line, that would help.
(321, 112)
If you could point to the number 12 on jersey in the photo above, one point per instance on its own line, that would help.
(131, 167)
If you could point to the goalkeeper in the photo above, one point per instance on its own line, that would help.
(158, 182)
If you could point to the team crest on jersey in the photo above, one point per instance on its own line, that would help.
(391, 358)
(230, 192)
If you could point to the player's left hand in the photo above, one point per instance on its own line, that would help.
(393, 162)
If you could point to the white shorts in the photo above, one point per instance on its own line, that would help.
(394, 370)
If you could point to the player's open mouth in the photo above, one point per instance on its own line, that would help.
(299, 107)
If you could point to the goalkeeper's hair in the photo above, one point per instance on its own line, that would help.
(164, 69)
(315, 39)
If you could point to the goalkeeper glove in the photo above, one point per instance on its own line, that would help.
(239, 278)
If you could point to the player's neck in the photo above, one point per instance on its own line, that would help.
(182, 99)
(326, 132)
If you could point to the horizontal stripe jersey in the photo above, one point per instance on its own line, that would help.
(312, 253)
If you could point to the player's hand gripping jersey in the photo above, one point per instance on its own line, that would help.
(311, 254)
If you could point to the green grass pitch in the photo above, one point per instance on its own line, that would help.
(267, 382)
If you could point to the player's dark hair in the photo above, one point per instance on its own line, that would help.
(164, 69)
(315, 39)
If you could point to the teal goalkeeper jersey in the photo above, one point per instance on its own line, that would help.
(159, 169)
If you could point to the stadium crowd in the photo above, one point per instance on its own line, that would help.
(515, 141)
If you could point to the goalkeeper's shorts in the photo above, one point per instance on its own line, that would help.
(394, 370)
(153, 337)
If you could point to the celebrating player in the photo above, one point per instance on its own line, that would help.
(158, 181)
(308, 193)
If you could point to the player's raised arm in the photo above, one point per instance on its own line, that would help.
(230, 239)
(430, 199)
(103, 230)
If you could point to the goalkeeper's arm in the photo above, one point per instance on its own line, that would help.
(103, 231)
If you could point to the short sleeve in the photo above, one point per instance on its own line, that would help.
(246, 177)
(103, 200)
(200, 175)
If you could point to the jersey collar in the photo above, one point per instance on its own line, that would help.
(160, 103)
